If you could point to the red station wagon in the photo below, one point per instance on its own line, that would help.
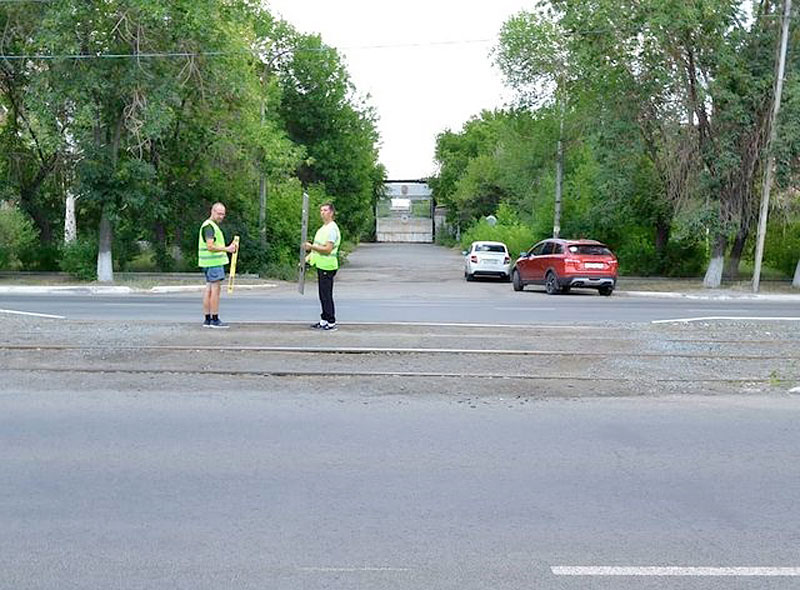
(560, 265)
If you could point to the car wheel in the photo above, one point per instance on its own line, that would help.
(551, 284)
(516, 281)
(469, 277)
(606, 291)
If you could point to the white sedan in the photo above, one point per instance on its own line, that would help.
(487, 259)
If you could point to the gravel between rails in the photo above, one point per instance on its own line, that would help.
(565, 361)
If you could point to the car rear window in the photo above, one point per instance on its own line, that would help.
(489, 248)
(591, 249)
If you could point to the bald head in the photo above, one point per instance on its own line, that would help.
(217, 212)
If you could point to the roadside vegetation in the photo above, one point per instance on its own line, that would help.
(122, 121)
(658, 114)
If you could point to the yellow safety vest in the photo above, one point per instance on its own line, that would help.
(326, 261)
(206, 257)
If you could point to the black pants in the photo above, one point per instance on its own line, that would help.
(325, 286)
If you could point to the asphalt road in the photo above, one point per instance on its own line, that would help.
(259, 489)
(496, 305)
(201, 479)
(403, 283)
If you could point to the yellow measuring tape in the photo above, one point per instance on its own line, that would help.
(234, 258)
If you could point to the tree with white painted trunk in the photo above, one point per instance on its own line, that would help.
(796, 281)
(123, 109)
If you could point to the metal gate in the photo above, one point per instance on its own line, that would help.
(406, 213)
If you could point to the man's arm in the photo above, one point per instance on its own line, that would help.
(212, 247)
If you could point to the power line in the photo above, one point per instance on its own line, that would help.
(39, 56)
(42, 56)
(84, 56)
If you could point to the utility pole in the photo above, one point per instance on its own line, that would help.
(559, 177)
(562, 107)
(773, 132)
(262, 183)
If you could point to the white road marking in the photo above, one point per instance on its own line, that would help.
(581, 327)
(675, 571)
(354, 569)
(524, 309)
(29, 313)
(411, 304)
(728, 317)
(732, 308)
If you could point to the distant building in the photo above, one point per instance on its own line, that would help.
(406, 213)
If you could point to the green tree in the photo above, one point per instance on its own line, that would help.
(337, 129)
(699, 77)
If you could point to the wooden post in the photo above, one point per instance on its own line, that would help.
(301, 272)
(234, 258)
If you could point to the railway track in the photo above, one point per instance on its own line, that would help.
(419, 362)
(481, 360)
(364, 350)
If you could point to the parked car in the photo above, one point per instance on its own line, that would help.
(487, 259)
(560, 265)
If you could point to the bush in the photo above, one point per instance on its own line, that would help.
(637, 256)
(18, 236)
(782, 248)
(42, 256)
(79, 258)
(516, 237)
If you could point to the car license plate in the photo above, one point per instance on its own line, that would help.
(594, 265)
(490, 261)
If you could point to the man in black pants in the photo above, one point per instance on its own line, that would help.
(324, 254)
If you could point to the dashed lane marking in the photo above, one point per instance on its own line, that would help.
(729, 318)
(675, 571)
(29, 313)
(354, 569)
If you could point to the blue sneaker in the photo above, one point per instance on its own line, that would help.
(218, 323)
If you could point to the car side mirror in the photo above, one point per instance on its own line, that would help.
(523, 254)
(463, 253)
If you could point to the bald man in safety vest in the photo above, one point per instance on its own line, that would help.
(212, 256)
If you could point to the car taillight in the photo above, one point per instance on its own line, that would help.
(473, 259)
(506, 260)
(572, 262)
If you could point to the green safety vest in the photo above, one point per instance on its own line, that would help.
(205, 257)
(326, 261)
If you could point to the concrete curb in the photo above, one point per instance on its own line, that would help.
(161, 289)
(114, 290)
(198, 288)
(713, 296)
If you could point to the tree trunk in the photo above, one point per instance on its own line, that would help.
(105, 260)
(732, 268)
(160, 233)
(262, 209)
(105, 266)
(662, 239)
(796, 281)
(713, 278)
(70, 223)
(41, 222)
